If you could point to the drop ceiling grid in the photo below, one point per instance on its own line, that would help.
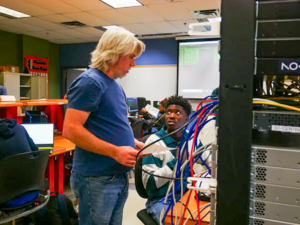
(23, 26)
(162, 27)
(183, 25)
(54, 5)
(171, 11)
(192, 5)
(113, 16)
(12, 29)
(88, 5)
(56, 18)
(25, 7)
(141, 14)
(90, 31)
(73, 33)
(87, 19)
(34, 21)
(138, 29)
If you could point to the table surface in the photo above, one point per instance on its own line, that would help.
(192, 206)
(33, 102)
(62, 145)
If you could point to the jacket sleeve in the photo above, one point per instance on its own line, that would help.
(161, 164)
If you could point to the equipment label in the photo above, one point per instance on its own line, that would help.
(286, 129)
(291, 66)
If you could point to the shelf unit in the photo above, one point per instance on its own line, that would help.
(24, 86)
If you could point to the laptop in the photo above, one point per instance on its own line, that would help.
(42, 134)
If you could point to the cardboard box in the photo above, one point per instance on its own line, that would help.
(9, 68)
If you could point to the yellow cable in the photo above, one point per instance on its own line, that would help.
(277, 104)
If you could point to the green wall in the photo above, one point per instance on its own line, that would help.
(13, 48)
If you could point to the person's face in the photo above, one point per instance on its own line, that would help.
(124, 64)
(175, 117)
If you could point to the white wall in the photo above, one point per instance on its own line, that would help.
(152, 82)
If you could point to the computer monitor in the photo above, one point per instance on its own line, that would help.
(132, 104)
(42, 134)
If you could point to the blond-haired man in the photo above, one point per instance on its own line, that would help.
(96, 121)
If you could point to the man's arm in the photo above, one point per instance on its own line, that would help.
(77, 133)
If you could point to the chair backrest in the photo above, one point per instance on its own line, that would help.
(137, 125)
(22, 173)
(138, 179)
(138, 175)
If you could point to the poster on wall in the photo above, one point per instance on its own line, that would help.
(37, 66)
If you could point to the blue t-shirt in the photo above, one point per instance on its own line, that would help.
(95, 92)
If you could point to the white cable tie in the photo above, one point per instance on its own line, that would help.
(207, 183)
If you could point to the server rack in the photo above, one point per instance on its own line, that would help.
(257, 185)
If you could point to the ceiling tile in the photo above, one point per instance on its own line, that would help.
(3, 18)
(41, 23)
(56, 18)
(90, 31)
(171, 11)
(17, 24)
(25, 7)
(54, 5)
(113, 16)
(201, 4)
(138, 29)
(162, 27)
(151, 2)
(93, 39)
(73, 33)
(183, 25)
(88, 5)
(68, 41)
(87, 19)
(12, 29)
(48, 35)
(141, 14)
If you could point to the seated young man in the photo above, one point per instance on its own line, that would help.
(178, 110)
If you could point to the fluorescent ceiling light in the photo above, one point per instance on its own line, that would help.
(214, 19)
(122, 3)
(12, 13)
(114, 26)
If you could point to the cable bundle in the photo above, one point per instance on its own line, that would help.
(190, 148)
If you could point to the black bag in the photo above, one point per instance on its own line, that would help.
(58, 211)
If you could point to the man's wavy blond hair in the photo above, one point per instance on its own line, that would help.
(114, 43)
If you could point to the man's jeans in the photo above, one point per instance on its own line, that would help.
(101, 199)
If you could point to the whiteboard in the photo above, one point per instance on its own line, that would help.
(151, 82)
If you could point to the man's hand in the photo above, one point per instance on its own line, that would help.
(126, 156)
(143, 110)
(138, 144)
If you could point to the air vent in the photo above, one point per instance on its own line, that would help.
(261, 156)
(73, 24)
(260, 174)
(259, 222)
(259, 209)
(260, 191)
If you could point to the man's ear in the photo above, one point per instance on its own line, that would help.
(186, 118)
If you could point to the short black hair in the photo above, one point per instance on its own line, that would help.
(179, 100)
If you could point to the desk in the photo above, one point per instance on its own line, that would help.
(13, 107)
(192, 206)
(61, 146)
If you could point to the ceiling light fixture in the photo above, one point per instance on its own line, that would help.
(12, 14)
(122, 3)
(115, 26)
